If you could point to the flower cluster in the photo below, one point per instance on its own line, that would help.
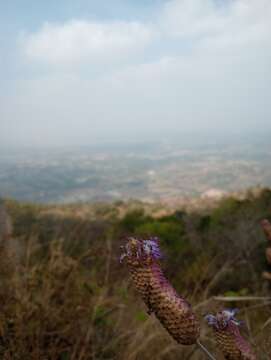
(228, 337)
(174, 312)
(142, 257)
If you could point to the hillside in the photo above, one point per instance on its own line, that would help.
(65, 296)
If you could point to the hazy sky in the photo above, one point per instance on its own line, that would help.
(77, 72)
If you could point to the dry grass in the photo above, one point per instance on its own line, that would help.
(68, 298)
(60, 309)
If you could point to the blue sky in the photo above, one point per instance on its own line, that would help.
(31, 13)
(78, 72)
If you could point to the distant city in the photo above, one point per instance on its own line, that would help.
(165, 170)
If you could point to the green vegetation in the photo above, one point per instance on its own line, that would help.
(69, 298)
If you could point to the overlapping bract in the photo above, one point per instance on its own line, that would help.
(174, 312)
(228, 336)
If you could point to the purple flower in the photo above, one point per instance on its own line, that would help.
(228, 336)
(141, 250)
(143, 259)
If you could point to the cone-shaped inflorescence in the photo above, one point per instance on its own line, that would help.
(267, 230)
(228, 337)
(175, 313)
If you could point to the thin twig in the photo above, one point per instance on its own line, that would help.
(225, 268)
(267, 303)
(241, 298)
(203, 348)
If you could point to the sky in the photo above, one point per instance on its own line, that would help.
(82, 72)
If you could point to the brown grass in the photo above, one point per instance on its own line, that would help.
(69, 299)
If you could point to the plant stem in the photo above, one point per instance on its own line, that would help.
(203, 348)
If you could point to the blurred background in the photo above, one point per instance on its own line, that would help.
(131, 117)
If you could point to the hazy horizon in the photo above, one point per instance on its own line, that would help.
(76, 73)
(192, 139)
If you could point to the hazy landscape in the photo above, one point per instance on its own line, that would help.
(135, 180)
(168, 170)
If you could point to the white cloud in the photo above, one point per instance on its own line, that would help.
(202, 24)
(222, 25)
(207, 17)
(208, 68)
(79, 41)
(191, 17)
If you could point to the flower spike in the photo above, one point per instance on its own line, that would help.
(228, 337)
(143, 259)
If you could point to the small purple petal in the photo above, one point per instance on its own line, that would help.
(122, 256)
(141, 249)
(211, 320)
